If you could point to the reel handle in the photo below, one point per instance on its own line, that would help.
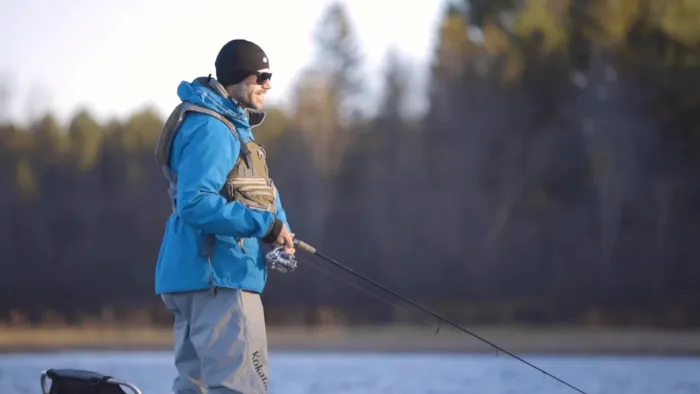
(278, 259)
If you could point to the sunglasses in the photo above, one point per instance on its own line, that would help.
(263, 77)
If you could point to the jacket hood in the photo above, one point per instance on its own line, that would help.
(209, 93)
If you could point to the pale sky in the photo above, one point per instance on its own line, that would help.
(116, 56)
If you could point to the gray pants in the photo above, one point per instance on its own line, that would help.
(220, 342)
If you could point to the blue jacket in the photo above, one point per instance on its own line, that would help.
(203, 153)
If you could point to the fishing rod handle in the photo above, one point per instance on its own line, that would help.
(304, 246)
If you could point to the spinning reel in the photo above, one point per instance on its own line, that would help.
(280, 260)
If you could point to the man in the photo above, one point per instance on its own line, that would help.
(211, 267)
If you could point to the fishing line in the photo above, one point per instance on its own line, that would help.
(395, 305)
(311, 250)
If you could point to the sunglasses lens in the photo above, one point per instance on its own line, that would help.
(264, 77)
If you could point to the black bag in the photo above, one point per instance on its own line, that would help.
(76, 381)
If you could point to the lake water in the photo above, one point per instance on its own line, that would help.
(405, 373)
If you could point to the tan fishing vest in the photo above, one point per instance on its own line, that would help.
(248, 182)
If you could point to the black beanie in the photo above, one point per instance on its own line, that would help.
(237, 60)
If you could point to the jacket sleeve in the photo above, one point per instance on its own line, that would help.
(207, 152)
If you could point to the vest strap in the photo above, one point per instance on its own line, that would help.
(163, 148)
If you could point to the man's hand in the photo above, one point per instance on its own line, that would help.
(286, 238)
(279, 235)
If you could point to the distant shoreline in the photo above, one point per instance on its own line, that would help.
(559, 340)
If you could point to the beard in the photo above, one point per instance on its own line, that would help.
(250, 97)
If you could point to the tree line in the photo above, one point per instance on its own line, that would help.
(553, 179)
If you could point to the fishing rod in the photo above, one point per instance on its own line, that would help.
(286, 262)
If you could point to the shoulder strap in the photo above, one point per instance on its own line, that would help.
(173, 123)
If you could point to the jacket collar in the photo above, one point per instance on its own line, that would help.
(255, 118)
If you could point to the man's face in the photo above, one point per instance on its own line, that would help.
(250, 93)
